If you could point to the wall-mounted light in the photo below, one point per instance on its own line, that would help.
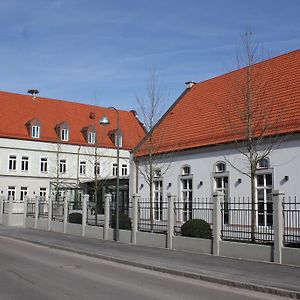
(200, 183)
(286, 178)
(239, 180)
(169, 184)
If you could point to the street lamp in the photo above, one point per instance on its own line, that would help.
(105, 121)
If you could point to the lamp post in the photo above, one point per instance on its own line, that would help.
(105, 121)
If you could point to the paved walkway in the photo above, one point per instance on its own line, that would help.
(265, 277)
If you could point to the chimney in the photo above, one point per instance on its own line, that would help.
(33, 92)
(190, 84)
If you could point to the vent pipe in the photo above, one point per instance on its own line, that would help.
(33, 92)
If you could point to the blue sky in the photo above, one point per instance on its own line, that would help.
(102, 52)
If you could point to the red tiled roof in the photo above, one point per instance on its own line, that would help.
(200, 116)
(17, 110)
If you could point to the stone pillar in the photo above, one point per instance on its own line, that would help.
(84, 213)
(1, 208)
(170, 233)
(278, 225)
(107, 202)
(134, 229)
(65, 220)
(25, 210)
(50, 200)
(217, 219)
(10, 211)
(36, 212)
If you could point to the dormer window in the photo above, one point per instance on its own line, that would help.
(91, 137)
(35, 131)
(116, 137)
(63, 131)
(90, 134)
(34, 128)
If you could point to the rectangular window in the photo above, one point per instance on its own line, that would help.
(12, 163)
(91, 137)
(62, 166)
(24, 163)
(43, 193)
(158, 200)
(82, 168)
(114, 169)
(124, 170)
(44, 165)
(64, 134)
(221, 185)
(35, 131)
(11, 192)
(23, 193)
(97, 168)
(187, 197)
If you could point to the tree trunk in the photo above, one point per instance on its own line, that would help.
(253, 204)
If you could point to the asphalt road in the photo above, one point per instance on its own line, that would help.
(29, 271)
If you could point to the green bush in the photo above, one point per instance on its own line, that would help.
(196, 228)
(124, 222)
(75, 218)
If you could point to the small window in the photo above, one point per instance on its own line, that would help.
(62, 166)
(24, 163)
(43, 192)
(157, 173)
(64, 134)
(124, 170)
(23, 193)
(82, 168)
(97, 169)
(35, 131)
(91, 137)
(12, 163)
(11, 193)
(220, 167)
(114, 169)
(118, 139)
(263, 163)
(44, 164)
(186, 170)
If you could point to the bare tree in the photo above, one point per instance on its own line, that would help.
(151, 109)
(251, 121)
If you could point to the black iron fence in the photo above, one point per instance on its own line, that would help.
(245, 221)
(30, 211)
(58, 210)
(291, 221)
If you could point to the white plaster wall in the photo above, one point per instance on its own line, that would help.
(284, 161)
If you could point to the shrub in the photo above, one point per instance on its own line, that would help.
(75, 218)
(196, 228)
(124, 222)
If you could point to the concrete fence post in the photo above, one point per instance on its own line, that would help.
(107, 202)
(36, 212)
(170, 233)
(10, 211)
(1, 209)
(25, 210)
(218, 197)
(134, 229)
(65, 219)
(85, 201)
(50, 200)
(278, 225)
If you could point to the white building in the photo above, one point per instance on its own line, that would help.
(197, 142)
(49, 145)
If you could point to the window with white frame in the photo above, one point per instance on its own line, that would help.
(186, 170)
(220, 184)
(263, 163)
(43, 193)
(64, 134)
(118, 139)
(35, 131)
(82, 168)
(114, 169)
(158, 199)
(11, 192)
(62, 166)
(187, 192)
(24, 163)
(23, 192)
(44, 165)
(91, 137)
(97, 169)
(124, 170)
(12, 163)
(157, 173)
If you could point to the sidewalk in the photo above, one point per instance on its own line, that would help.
(264, 277)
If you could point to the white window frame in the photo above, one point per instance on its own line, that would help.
(44, 165)
(23, 192)
(64, 134)
(43, 193)
(158, 199)
(82, 168)
(124, 170)
(35, 131)
(11, 192)
(220, 167)
(62, 166)
(114, 169)
(97, 168)
(25, 164)
(12, 163)
(91, 137)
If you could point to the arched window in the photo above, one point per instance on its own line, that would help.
(186, 170)
(263, 163)
(220, 167)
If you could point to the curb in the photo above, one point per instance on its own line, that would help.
(197, 276)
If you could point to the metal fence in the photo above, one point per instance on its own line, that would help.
(58, 210)
(291, 221)
(238, 215)
(187, 209)
(94, 217)
(30, 211)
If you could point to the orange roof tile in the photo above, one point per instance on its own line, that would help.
(200, 117)
(16, 110)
